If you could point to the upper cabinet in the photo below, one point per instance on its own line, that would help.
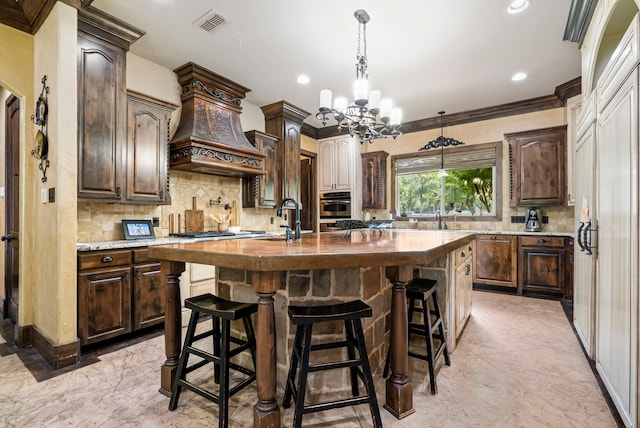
(102, 105)
(334, 164)
(262, 191)
(147, 165)
(538, 167)
(374, 180)
(574, 108)
(284, 121)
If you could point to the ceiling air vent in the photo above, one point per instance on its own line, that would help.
(210, 21)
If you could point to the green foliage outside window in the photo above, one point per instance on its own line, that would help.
(461, 192)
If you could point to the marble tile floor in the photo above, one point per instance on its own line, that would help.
(518, 364)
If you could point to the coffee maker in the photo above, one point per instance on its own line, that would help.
(533, 221)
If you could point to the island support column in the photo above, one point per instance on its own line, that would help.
(171, 272)
(399, 391)
(266, 413)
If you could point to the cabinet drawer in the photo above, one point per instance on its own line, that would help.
(142, 256)
(100, 259)
(461, 254)
(541, 241)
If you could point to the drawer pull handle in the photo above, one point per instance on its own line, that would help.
(462, 254)
(541, 241)
(494, 237)
(107, 259)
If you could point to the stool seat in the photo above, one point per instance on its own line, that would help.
(222, 313)
(219, 307)
(305, 317)
(421, 290)
(341, 311)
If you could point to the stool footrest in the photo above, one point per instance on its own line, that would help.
(319, 407)
(334, 365)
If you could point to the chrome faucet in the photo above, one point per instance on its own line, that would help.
(297, 208)
(439, 218)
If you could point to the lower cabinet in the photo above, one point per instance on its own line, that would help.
(542, 265)
(463, 286)
(119, 291)
(495, 260)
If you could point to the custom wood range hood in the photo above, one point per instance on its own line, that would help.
(209, 138)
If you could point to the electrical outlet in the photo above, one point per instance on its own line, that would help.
(43, 196)
(545, 219)
(52, 195)
(155, 221)
(271, 220)
(517, 219)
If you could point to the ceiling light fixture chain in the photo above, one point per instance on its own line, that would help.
(368, 116)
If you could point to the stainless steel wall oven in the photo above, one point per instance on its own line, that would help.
(335, 205)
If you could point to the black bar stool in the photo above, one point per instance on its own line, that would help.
(305, 317)
(220, 310)
(418, 291)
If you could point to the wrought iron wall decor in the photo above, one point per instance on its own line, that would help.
(441, 142)
(40, 119)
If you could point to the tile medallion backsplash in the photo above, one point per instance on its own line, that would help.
(98, 221)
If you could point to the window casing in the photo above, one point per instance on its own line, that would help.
(418, 190)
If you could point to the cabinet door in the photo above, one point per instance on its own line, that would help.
(464, 287)
(147, 140)
(325, 166)
(262, 191)
(101, 119)
(104, 304)
(148, 296)
(617, 253)
(495, 261)
(543, 270)
(342, 164)
(538, 167)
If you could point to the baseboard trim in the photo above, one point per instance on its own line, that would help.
(57, 356)
(22, 335)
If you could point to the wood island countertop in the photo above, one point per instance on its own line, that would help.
(397, 250)
(392, 247)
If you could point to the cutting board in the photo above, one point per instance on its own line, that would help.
(193, 219)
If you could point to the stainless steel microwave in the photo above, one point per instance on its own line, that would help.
(335, 205)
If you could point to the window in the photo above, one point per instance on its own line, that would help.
(471, 187)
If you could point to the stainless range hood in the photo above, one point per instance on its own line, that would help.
(209, 138)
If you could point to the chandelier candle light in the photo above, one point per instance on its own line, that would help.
(369, 116)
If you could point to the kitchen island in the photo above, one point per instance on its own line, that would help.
(395, 251)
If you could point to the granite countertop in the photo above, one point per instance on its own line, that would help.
(112, 245)
(135, 243)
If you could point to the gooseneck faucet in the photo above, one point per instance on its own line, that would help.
(439, 218)
(297, 208)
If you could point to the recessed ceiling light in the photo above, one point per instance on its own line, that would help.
(519, 76)
(518, 6)
(303, 79)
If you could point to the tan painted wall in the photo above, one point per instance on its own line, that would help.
(55, 225)
(16, 75)
(560, 218)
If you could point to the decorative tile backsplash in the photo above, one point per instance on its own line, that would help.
(99, 221)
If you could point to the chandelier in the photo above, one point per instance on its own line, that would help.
(441, 142)
(368, 116)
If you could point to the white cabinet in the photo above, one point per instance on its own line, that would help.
(195, 280)
(462, 282)
(574, 108)
(334, 164)
(617, 258)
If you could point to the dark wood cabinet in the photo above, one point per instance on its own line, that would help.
(538, 167)
(101, 119)
(374, 180)
(284, 121)
(119, 291)
(542, 265)
(495, 260)
(262, 191)
(102, 104)
(147, 167)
